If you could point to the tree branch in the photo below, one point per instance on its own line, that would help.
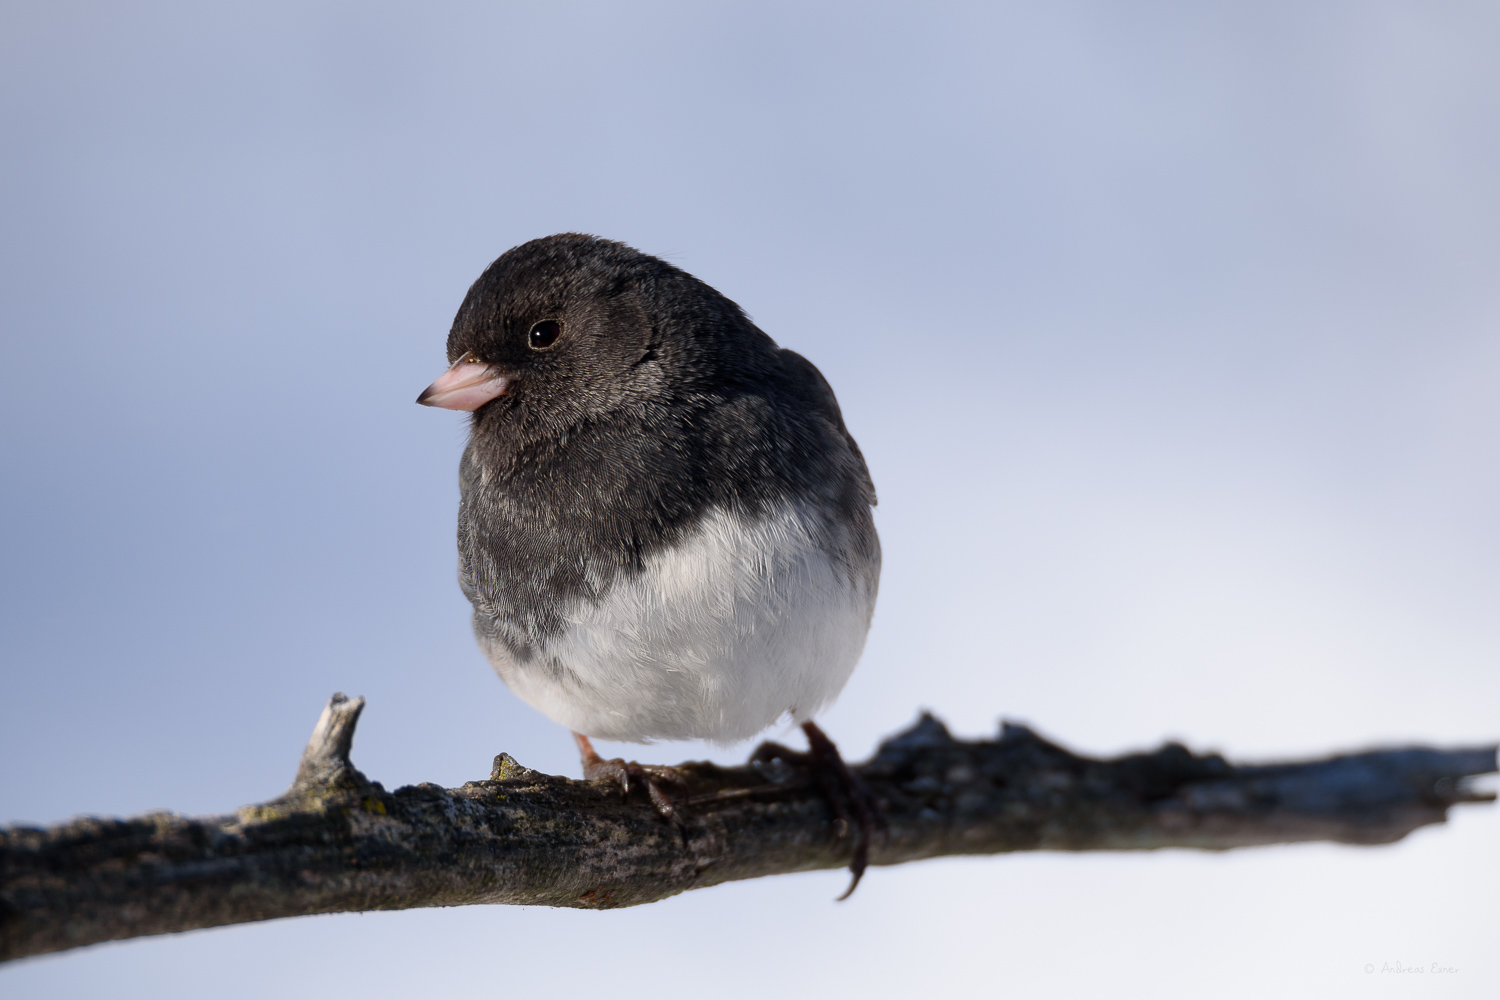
(337, 841)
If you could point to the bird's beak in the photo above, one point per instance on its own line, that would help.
(467, 385)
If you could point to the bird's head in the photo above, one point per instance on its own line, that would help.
(567, 327)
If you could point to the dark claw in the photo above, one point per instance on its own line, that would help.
(846, 793)
(653, 776)
(854, 808)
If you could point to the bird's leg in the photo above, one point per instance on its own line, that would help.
(839, 783)
(653, 776)
(854, 808)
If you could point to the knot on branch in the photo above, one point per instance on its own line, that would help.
(507, 768)
(325, 764)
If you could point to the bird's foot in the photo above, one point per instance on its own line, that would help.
(622, 772)
(855, 812)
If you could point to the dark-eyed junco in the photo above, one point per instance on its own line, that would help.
(665, 528)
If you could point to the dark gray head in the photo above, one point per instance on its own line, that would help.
(571, 327)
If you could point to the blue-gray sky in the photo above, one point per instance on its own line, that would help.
(1171, 333)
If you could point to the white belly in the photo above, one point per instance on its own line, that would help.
(741, 624)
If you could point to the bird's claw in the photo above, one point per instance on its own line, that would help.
(623, 772)
(855, 811)
(652, 776)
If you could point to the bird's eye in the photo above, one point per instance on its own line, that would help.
(544, 334)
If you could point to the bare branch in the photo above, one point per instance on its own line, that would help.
(339, 842)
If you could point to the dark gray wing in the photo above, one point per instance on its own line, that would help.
(810, 384)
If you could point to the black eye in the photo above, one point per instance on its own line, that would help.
(544, 334)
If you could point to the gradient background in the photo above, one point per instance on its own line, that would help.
(1171, 333)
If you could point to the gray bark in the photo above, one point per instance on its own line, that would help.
(337, 841)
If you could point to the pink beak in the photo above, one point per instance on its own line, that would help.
(467, 385)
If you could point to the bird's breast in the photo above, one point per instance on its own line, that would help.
(740, 621)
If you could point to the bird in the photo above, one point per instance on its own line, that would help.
(665, 528)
